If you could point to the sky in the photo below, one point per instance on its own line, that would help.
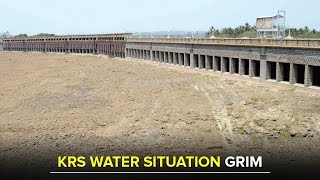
(116, 16)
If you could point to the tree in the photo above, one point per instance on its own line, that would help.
(300, 31)
(306, 29)
(5, 35)
(21, 36)
(44, 35)
(247, 26)
(210, 32)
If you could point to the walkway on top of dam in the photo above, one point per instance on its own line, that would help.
(286, 43)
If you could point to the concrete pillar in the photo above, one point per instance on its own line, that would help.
(308, 76)
(223, 65)
(173, 61)
(195, 61)
(293, 74)
(160, 56)
(232, 65)
(165, 58)
(156, 56)
(201, 63)
(251, 69)
(179, 59)
(185, 60)
(241, 67)
(145, 54)
(175, 58)
(263, 70)
(151, 55)
(278, 73)
(207, 62)
(172, 58)
(214, 63)
(192, 63)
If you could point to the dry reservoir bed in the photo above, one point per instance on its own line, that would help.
(57, 104)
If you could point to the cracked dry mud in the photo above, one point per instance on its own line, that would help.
(57, 104)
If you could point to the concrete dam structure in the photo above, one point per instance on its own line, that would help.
(108, 44)
(295, 61)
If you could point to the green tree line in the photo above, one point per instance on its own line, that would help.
(245, 30)
(37, 35)
(249, 31)
(305, 32)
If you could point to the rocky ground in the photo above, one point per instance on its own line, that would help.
(57, 104)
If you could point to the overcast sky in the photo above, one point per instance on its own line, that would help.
(107, 16)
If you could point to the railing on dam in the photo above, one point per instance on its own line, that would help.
(297, 43)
